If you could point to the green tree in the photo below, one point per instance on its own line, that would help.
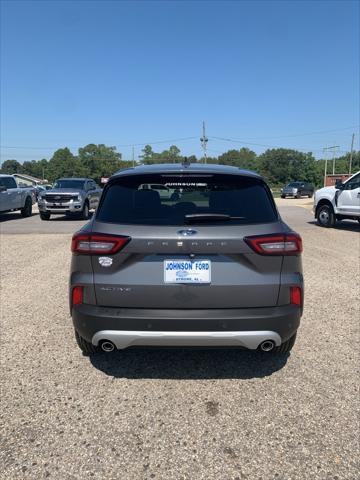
(166, 156)
(174, 154)
(64, 164)
(148, 155)
(243, 158)
(11, 166)
(281, 165)
(209, 160)
(99, 160)
(36, 168)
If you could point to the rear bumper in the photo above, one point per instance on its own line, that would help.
(127, 338)
(130, 326)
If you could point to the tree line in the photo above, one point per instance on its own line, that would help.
(277, 165)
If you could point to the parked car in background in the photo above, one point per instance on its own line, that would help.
(220, 269)
(42, 188)
(164, 191)
(69, 196)
(298, 190)
(339, 202)
(13, 197)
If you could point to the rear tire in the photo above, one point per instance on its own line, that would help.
(298, 195)
(286, 346)
(27, 210)
(310, 195)
(45, 216)
(325, 216)
(282, 196)
(86, 347)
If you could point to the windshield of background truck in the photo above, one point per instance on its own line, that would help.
(73, 184)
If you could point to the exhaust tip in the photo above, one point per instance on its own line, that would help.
(267, 346)
(107, 346)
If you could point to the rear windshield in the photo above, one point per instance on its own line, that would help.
(184, 199)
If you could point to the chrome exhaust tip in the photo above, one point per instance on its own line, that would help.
(267, 346)
(107, 346)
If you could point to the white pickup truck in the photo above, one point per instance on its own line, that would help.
(13, 197)
(340, 202)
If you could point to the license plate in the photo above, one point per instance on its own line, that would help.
(187, 271)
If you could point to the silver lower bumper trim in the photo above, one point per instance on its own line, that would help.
(125, 338)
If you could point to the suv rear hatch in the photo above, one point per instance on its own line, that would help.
(205, 220)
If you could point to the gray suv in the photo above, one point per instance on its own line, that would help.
(216, 267)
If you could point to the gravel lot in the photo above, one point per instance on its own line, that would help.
(177, 414)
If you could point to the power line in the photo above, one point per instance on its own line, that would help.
(237, 140)
(215, 151)
(305, 134)
(121, 145)
(233, 140)
(193, 138)
(158, 142)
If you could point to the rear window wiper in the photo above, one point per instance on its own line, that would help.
(209, 217)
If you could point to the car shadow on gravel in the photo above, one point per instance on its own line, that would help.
(5, 217)
(69, 218)
(188, 364)
(350, 226)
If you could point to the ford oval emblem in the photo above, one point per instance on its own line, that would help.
(187, 233)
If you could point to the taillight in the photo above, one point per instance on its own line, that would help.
(295, 296)
(276, 244)
(77, 295)
(97, 244)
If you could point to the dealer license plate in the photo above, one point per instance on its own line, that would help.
(187, 271)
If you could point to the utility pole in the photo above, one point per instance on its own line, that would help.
(351, 152)
(325, 150)
(325, 169)
(133, 156)
(333, 159)
(203, 141)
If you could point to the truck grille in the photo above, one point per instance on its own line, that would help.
(59, 198)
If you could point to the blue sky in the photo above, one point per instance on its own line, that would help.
(121, 73)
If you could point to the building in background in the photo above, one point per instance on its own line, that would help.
(330, 179)
(28, 180)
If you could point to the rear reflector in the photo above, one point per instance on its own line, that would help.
(97, 244)
(295, 296)
(276, 244)
(77, 295)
